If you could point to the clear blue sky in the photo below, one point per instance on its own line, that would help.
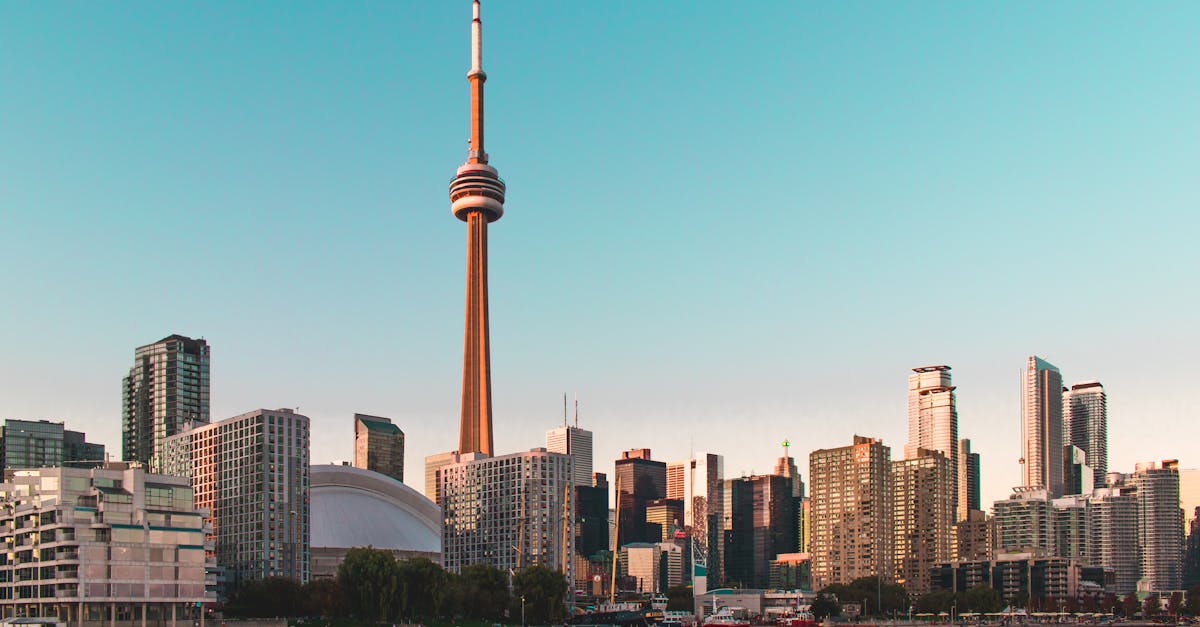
(727, 223)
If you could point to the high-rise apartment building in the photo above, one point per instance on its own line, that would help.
(1042, 427)
(251, 472)
(41, 444)
(850, 513)
(1085, 425)
(1071, 527)
(433, 465)
(968, 480)
(1113, 527)
(1160, 524)
(166, 388)
(924, 517)
(974, 537)
(101, 546)
(758, 523)
(1024, 523)
(933, 418)
(577, 443)
(379, 446)
(639, 481)
(510, 511)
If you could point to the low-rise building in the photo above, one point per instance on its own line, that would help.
(102, 544)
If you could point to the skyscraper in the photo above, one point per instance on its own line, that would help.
(786, 467)
(933, 418)
(166, 388)
(477, 198)
(1085, 425)
(1160, 524)
(758, 523)
(1042, 427)
(1024, 523)
(41, 444)
(577, 443)
(698, 483)
(850, 510)
(379, 446)
(251, 473)
(924, 517)
(639, 481)
(1113, 527)
(968, 480)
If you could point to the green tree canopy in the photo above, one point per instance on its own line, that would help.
(826, 604)
(543, 590)
(483, 589)
(680, 598)
(371, 579)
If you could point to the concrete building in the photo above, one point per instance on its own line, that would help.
(923, 510)
(968, 480)
(1042, 427)
(102, 544)
(639, 481)
(510, 511)
(973, 537)
(577, 443)
(1113, 524)
(850, 515)
(477, 198)
(433, 465)
(354, 507)
(1071, 527)
(791, 571)
(1021, 578)
(758, 523)
(1160, 524)
(251, 472)
(933, 418)
(378, 446)
(41, 444)
(166, 388)
(1085, 426)
(1025, 523)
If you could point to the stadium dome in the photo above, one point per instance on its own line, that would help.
(352, 507)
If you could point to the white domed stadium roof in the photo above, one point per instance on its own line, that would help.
(352, 507)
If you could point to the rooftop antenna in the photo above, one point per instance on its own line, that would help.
(577, 410)
(564, 409)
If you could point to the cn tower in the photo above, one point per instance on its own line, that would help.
(477, 198)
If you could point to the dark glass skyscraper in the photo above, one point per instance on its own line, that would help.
(639, 480)
(1085, 425)
(758, 525)
(166, 388)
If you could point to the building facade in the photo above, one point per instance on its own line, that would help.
(101, 544)
(591, 517)
(639, 481)
(1085, 425)
(251, 472)
(1042, 427)
(758, 523)
(1024, 523)
(933, 418)
(577, 443)
(42, 444)
(1113, 525)
(924, 517)
(510, 511)
(698, 483)
(968, 480)
(167, 387)
(1160, 524)
(379, 446)
(850, 512)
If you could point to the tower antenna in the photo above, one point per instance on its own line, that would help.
(577, 410)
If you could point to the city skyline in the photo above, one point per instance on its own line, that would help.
(691, 321)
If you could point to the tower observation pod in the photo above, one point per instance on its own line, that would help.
(477, 198)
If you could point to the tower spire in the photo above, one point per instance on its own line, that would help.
(477, 198)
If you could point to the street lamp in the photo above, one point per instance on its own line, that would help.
(522, 610)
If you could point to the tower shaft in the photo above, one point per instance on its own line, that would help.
(477, 198)
(475, 429)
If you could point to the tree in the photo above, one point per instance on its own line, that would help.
(1152, 606)
(370, 578)
(423, 588)
(981, 598)
(322, 597)
(1175, 604)
(483, 589)
(680, 598)
(1109, 603)
(824, 605)
(269, 598)
(543, 590)
(935, 601)
(1193, 600)
(1129, 605)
